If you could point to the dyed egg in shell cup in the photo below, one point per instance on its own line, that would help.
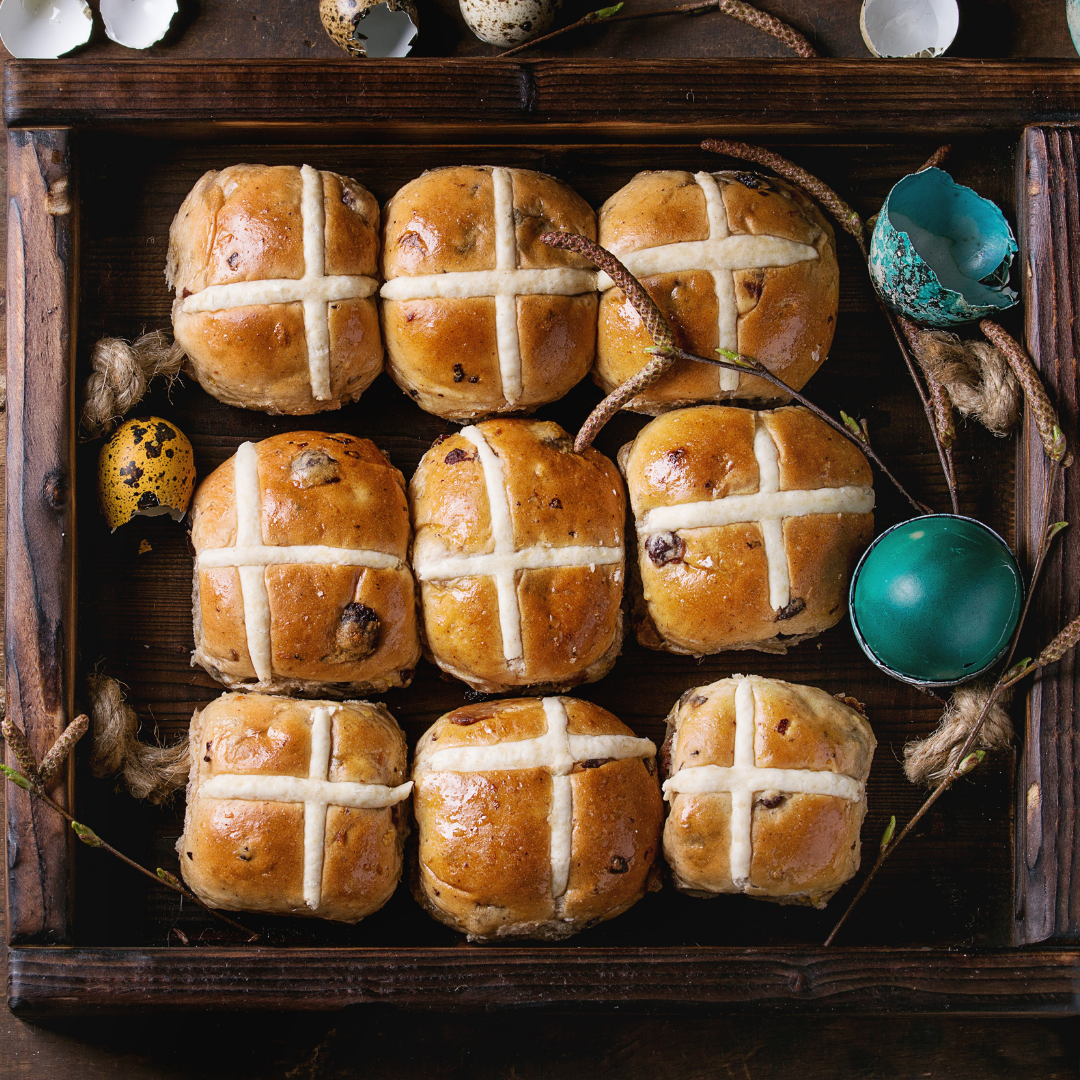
(940, 253)
(147, 469)
(935, 600)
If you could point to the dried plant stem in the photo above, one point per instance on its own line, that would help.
(653, 318)
(748, 365)
(937, 158)
(1038, 401)
(966, 759)
(30, 780)
(850, 221)
(737, 9)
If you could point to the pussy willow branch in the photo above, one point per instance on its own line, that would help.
(31, 781)
(850, 221)
(666, 352)
(966, 758)
(737, 9)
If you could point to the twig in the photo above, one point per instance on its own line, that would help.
(31, 781)
(850, 221)
(665, 352)
(747, 364)
(1038, 401)
(737, 9)
(653, 318)
(966, 758)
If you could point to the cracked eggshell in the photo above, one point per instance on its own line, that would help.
(940, 253)
(147, 468)
(137, 24)
(507, 23)
(909, 29)
(44, 29)
(372, 28)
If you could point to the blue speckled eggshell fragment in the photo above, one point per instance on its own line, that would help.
(929, 208)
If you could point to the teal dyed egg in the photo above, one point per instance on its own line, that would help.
(935, 600)
(940, 253)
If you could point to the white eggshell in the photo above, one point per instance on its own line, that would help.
(387, 33)
(909, 28)
(508, 22)
(44, 29)
(137, 24)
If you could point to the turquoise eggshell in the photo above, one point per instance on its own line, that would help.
(936, 599)
(940, 253)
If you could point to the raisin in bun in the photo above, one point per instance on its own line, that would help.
(295, 807)
(735, 261)
(301, 580)
(767, 786)
(536, 818)
(479, 316)
(519, 555)
(274, 269)
(749, 525)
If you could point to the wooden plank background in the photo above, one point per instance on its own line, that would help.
(558, 1044)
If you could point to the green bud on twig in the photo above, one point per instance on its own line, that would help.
(169, 879)
(16, 777)
(969, 763)
(16, 738)
(853, 425)
(604, 13)
(888, 834)
(87, 835)
(1054, 529)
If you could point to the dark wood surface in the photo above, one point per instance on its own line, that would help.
(1047, 867)
(627, 1044)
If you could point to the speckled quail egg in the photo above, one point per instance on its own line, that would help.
(507, 23)
(375, 28)
(146, 468)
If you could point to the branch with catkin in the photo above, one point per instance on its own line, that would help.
(33, 776)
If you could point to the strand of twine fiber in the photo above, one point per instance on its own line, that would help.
(121, 375)
(930, 760)
(976, 376)
(155, 773)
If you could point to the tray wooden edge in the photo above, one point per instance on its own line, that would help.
(388, 97)
(1047, 889)
(40, 647)
(1031, 982)
(39, 601)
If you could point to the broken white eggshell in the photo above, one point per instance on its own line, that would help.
(372, 28)
(137, 24)
(909, 28)
(507, 23)
(44, 29)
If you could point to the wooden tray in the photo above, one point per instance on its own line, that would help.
(101, 155)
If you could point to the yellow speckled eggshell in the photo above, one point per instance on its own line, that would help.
(147, 467)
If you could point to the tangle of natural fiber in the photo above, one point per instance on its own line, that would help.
(975, 375)
(926, 761)
(150, 772)
(122, 372)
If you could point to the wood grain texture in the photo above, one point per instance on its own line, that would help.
(40, 557)
(1048, 786)
(643, 97)
(1039, 983)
